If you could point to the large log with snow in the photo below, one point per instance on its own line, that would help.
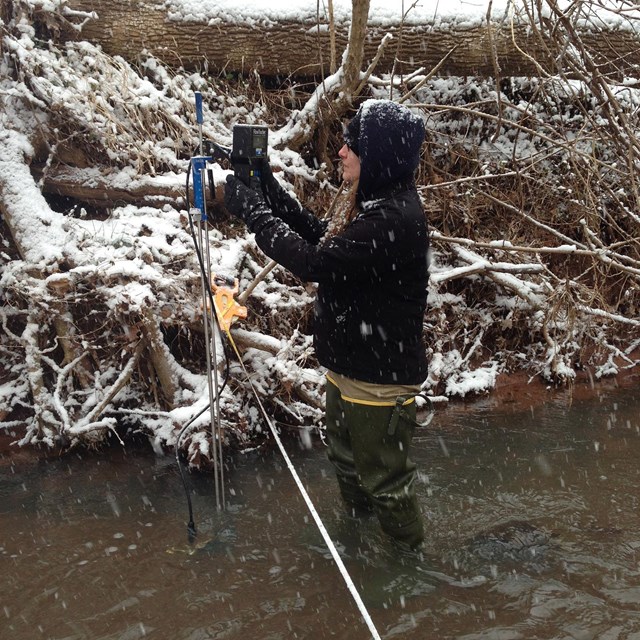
(301, 47)
(102, 189)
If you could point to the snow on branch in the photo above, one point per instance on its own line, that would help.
(24, 208)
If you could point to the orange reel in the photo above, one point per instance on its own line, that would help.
(227, 309)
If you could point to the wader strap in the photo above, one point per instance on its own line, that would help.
(400, 413)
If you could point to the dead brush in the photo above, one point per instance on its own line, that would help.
(567, 330)
(121, 117)
(133, 123)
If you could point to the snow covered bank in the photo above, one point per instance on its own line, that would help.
(531, 194)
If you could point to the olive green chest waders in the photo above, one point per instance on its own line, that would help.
(368, 444)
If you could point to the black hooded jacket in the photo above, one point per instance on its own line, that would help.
(372, 277)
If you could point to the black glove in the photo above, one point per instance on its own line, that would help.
(277, 197)
(246, 203)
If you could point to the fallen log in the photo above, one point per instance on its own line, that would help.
(103, 188)
(302, 48)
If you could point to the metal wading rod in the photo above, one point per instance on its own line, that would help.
(194, 214)
(325, 534)
(207, 309)
(206, 318)
(214, 395)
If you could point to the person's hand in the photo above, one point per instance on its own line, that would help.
(246, 203)
(277, 197)
(271, 188)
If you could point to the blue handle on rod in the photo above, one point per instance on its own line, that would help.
(199, 117)
(199, 164)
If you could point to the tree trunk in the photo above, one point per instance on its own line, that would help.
(355, 50)
(126, 27)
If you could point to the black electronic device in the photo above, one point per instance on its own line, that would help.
(247, 153)
(249, 150)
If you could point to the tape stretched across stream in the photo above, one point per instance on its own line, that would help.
(325, 535)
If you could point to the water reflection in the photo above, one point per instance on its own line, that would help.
(533, 533)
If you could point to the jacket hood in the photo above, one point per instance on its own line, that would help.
(387, 138)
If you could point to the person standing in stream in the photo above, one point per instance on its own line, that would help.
(371, 298)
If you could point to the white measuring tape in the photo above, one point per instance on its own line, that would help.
(332, 548)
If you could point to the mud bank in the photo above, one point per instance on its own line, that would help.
(514, 391)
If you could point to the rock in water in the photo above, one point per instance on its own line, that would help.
(514, 542)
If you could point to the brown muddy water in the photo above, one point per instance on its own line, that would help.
(532, 519)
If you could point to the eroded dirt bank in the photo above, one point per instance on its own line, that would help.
(515, 391)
